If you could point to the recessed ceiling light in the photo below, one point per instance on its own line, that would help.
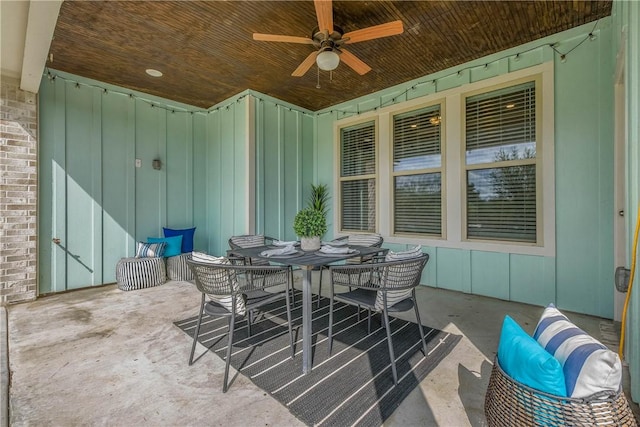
(510, 105)
(154, 73)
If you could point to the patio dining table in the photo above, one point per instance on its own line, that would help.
(307, 261)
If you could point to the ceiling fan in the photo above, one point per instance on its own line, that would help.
(329, 40)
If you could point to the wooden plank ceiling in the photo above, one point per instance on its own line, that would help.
(207, 54)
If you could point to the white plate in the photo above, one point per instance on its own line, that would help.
(353, 252)
(336, 243)
(281, 245)
(291, 255)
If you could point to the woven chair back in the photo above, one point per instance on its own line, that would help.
(403, 274)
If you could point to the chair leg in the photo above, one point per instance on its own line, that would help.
(368, 321)
(293, 292)
(415, 307)
(249, 321)
(391, 354)
(232, 321)
(330, 331)
(195, 336)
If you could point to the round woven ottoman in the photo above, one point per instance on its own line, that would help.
(177, 268)
(138, 273)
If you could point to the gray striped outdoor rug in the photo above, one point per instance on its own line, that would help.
(352, 387)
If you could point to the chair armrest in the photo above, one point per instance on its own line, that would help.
(366, 276)
(258, 277)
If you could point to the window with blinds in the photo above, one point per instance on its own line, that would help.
(417, 174)
(358, 177)
(501, 194)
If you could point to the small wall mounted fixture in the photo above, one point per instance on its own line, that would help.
(157, 164)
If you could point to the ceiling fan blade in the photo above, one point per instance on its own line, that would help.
(305, 65)
(324, 12)
(377, 31)
(279, 38)
(354, 62)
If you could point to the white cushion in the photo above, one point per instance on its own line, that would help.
(408, 254)
(589, 366)
(394, 297)
(363, 239)
(224, 301)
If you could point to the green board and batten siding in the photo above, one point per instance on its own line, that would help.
(626, 24)
(205, 177)
(99, 204)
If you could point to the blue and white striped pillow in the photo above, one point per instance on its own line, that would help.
(150, 250)
(589, 366)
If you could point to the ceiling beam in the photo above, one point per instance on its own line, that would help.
(43, 16)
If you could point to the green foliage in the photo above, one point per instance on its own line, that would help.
(319, 198)
(310, 222)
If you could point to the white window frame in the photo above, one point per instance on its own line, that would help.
(443, 176)
(537, 80)
(453, 166)
(337, 208)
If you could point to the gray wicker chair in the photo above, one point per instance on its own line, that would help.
(365, 280)
(373, 240)
(238, 281)
(510, 403)
(252, 241)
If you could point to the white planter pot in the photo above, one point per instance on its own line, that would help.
(309, 244)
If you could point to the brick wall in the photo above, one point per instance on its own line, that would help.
(18, 193)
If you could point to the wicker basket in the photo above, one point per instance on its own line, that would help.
(509, 403)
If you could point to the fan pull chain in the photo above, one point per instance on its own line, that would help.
(318, 84)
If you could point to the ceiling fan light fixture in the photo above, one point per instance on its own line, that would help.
(328, 60)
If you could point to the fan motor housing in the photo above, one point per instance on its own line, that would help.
(321, 40)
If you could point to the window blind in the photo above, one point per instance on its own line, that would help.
(417, 207)
(416, 139)
(358, 186)
(501, 122)
(359, 205)
(501, 201)
(418, 204)
(358, 150)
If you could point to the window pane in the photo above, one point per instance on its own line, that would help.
(418, 204)
(501, 203)
(359, 205)
(416, 139)
(358, 150)
(499, 122)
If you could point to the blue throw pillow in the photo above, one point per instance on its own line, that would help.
(173, 247)
(187, 237)
(524, 360)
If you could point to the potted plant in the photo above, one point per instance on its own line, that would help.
(319, 198)
(310, 224)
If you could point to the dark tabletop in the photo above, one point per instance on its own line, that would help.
(305, 259)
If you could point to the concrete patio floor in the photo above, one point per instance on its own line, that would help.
(101, 356)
